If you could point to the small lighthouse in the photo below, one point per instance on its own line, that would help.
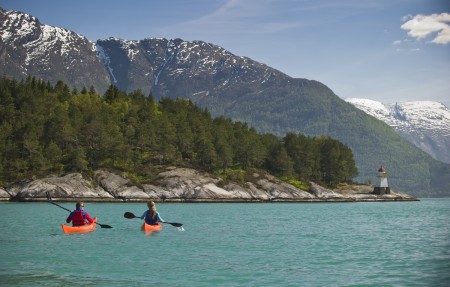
(381, 185)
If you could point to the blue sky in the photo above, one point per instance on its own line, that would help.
(384, 50)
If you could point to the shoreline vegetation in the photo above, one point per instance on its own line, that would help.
(46, 129)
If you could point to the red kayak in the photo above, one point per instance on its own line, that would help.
(80, 229)
(147, 228)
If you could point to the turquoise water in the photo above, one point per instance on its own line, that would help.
(266, 244)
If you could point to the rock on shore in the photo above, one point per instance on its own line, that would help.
(184, 185)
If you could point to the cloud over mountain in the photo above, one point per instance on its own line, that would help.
(422, 26)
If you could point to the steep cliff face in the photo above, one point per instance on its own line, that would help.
(176, 68)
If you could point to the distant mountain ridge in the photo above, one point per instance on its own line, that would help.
(235, 87)
(426, 124)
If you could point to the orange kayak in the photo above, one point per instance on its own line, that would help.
(147, 228)
(80, 229)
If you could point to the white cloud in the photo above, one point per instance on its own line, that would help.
(421, 26)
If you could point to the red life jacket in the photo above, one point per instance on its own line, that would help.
(78, 218)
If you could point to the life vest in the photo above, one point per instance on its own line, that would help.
(150, 220)
(78, 217)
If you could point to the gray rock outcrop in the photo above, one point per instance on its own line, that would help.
(4, 196)
(184, 185)
(71, 186)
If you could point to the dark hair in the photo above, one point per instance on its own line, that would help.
(79, 204)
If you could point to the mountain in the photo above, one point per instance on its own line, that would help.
(225, 84)
(426, 124)
(31, 48)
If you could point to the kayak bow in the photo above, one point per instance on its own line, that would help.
(80, 229)
(147, 228)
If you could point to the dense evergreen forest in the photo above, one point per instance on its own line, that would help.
(46, 129)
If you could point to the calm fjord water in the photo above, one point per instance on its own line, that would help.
(266, 244)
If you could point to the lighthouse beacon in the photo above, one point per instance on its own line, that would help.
(381, 186)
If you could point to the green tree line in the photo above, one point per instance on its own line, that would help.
(47, 128)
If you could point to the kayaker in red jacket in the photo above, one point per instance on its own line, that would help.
(151, 216)
(79, 216)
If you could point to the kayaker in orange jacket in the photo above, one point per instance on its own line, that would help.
(79, 216)
(151, 216)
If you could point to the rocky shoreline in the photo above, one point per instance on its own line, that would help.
(185, 185)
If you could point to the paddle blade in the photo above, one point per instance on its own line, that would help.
(174, 224)
(104, 225)
(129, 215)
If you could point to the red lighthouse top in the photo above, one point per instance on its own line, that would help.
(381, 169)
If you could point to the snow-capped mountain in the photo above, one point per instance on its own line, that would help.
(426, 124)
(161, 65)
(53, 53)
(29, 47)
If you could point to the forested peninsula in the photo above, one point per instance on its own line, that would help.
(53, 131)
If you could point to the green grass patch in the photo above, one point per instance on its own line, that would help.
(297, 183)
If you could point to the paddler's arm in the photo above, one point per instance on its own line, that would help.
(69, 218)
(89, 218)
(159, 217)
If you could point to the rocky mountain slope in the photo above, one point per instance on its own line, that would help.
(29, 47)
(425, 124)
(226, 84)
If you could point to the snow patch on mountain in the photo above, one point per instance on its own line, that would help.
(106, 60)
(17, 24)
(421, 114)
(424, 123)
(38, 39)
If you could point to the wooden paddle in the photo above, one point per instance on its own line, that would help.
(130, 215)
(49, 198)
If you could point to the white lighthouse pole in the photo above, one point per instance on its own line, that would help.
(381, 186)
